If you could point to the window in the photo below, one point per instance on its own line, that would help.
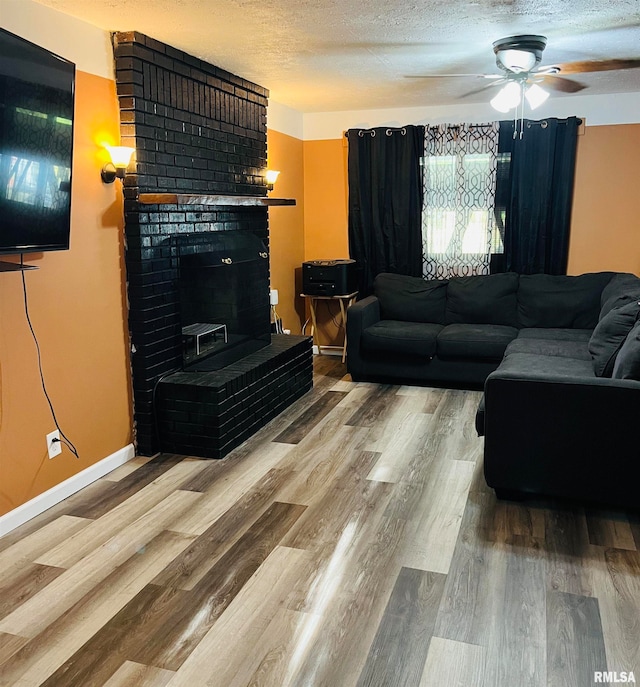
(458, 223)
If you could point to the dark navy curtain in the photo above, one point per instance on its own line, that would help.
(385, 202)
(534, 189)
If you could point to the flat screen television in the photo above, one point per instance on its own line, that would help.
(36, 147)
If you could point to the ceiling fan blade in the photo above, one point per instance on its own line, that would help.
(599, 65)
(484, 88)
(559, 83)
(446, 76)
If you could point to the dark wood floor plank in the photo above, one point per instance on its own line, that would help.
(91, 492)
(156, 495)
(169, 647)
(476, 578)
(117, 492)
(42, 609)
(377, 405)
(617, 587)
(327, 368)
(345, 599)
(60, 640)
(516, 636)
(299, 429)
(634, 522)
(103, 654)
(22, 587)
(346, 498)
(569, 555)
(161, 626)
(321, 462)
(260, 626)
(575, 645)
(195, 562)
(399, 650)
(454, 422)
(610, 529)
(25, 551)
(10, 645)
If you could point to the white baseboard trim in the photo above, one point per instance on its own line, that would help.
(18, 516)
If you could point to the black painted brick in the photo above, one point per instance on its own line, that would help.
(224, 408)
(196, 128)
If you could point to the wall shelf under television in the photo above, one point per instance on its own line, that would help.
(207, 199)
(16, 267)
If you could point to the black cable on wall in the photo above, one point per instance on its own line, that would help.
(63, 436)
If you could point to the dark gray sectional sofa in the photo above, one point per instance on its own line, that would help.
(559, 359)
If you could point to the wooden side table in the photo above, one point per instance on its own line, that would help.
(345, 301)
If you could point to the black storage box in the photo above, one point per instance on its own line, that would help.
(329, 277)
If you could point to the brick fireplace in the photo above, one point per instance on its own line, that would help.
(197, 130)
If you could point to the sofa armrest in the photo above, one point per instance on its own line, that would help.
(360, 315)
(570, 437)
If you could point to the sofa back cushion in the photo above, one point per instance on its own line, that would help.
(609, 336)
(627, 365)
(410, 299)
(546, 300)
(483, 299)
(621, 289)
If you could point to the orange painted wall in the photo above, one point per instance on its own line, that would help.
(77, 306)
(605, 226)
(605, 231)
(286, 227)
(326, 218)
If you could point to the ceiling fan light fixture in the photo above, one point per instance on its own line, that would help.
(507, 97)
(519, 54)
(535, 96)
(516, 61)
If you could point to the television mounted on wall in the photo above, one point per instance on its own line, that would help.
(36, 147)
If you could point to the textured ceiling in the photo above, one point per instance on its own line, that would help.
(324, 55)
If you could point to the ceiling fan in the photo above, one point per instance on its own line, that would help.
(518, 58)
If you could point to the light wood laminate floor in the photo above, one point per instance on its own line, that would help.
(351, 542)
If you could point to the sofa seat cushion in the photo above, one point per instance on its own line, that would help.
(410, 299)
(547, 300)
(395, 336)
(555, 334)
(564, 349)
(627, 365)
(610, 334)
(483, 299)
(561, 369)
(475, 341)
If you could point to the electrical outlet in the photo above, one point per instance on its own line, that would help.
(54, 445)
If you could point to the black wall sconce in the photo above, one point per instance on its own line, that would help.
(117, 167)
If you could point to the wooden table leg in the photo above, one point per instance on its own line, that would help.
(344, 328)
(314, 327)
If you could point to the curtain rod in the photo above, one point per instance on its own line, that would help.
(372, 131)
(543, 122)
(403, 129)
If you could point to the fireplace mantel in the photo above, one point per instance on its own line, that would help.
(195, 199)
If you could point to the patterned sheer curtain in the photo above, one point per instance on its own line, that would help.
(458, 221)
